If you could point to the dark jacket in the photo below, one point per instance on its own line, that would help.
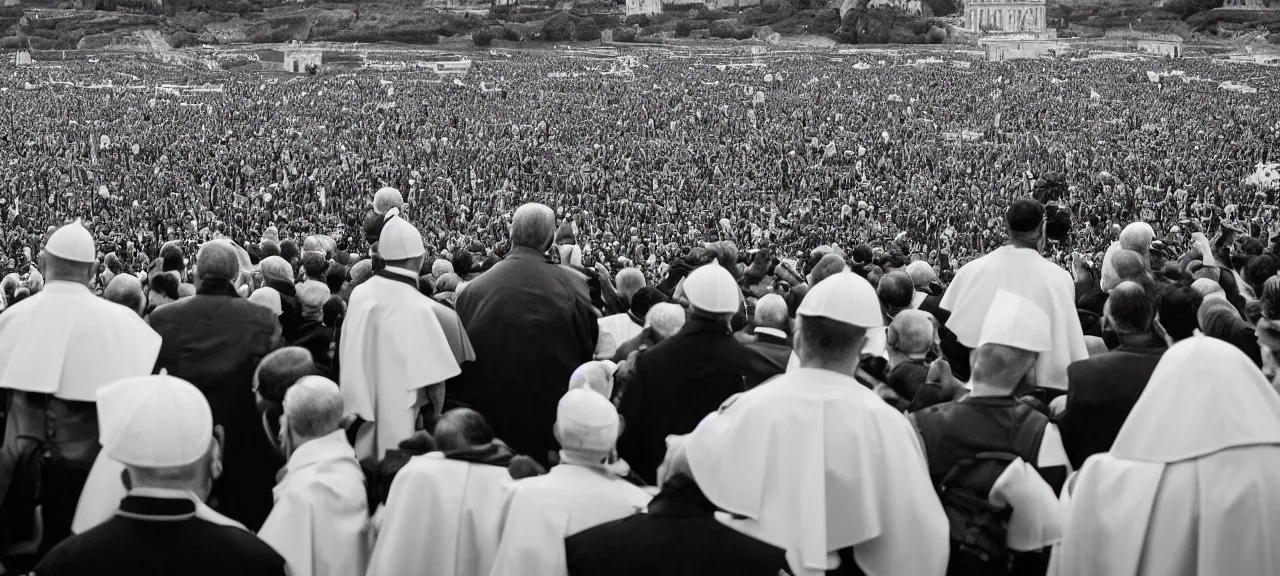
(318, 339)
(531, 324)
(774, 349)
(161, 537)
(291, 309)
(215, 341)
(679, 536)
(1100, 393)
(677, 383)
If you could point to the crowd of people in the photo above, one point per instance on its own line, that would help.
(900, 318)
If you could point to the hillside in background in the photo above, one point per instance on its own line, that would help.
(163, 24)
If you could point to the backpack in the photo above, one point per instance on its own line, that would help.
(978, 528)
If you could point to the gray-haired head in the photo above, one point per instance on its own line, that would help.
(276, 268)
(311, 296)
(217, 260)
(126, 290)
(771, 312)
(387, 198)
(313, 408)
(665, 319)
(533, 226)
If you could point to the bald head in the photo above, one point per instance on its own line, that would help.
(771, 312)
(276, 268)
(1137, 236)
(628, 281)
(1128, 309)
(313, 408)
(217, 260)
(533, 226)
(461, 428)
(311, 296)
(1128, 264)
(829, 265)
(126, 290)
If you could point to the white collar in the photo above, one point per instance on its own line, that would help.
(333, 446)
(401, 272)
(776, 333)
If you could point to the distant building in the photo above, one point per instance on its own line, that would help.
(302, 60)
(22, 58)
(644, 7)
(911, 7)
(1001, 50)
(1252, 4)
(1005, 16)
(1166, 48)
(449, 67)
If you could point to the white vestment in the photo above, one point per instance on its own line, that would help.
(818, 463)
(1025, 273)
(321, 511)
(67, 342)
(443, 517)
(1190, 485)
(392, 346)
(614, 331)
(543, 511)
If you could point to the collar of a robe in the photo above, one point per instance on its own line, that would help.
(333, 446)
(776, 333)
(202, 511)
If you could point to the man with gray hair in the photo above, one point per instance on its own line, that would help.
(531, 323)
(215, 341)
(772, 331)
(277, 274)
(312, 333)
(625, 325)
(321, 511)
(126, 290)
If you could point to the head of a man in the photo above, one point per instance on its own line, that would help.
(1129, 310)
(161, 429)
(713, 294)
(126, 290)
(645, 299)
(533, 226)
(276, 269)
(1025, 223)
(460, 429)
(1016, 331)
(70, 255)
(922, 276)
(1178, 310)
(387, 198)
(628, 281)
(311, 297)
(912, 335)
(312, 410)
(665, 319)
(217, 262)
(587, 426)
(400, 245)
(828, 265)
(832, 323)
(595, 375)
(771, 312)
(277, 372)
(895, 291)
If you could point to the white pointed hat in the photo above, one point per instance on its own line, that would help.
(72, 242)
(845, 297)
(1016, 322)
(154, 421)
(400, 240)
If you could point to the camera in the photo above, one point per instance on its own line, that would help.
(1057, 222)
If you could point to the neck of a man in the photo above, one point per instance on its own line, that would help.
(978, 387)
(848, 367)
(61, 278)
(1139, 339)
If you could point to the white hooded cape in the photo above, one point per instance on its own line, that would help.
(67, 342)
(1023, 272)
(1189, 487)
(818, 463)
(392, 346)
(543, 511)
(321, 512)
(443, 517)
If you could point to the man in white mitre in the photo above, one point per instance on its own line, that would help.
(57, 349)
(321, 511)
(582, 492)
(1189, 486)
(1019, 268)
(815, 463)
(394, 354)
